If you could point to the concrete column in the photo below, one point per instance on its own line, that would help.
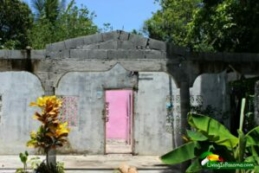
(256, 103)
(50, 90)
(185, 108)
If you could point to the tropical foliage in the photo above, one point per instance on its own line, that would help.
(14, 24)
(202, 25)
(55, 22)
(170, 22)
(49, 9)
(229, 25)
(48, 21)
(52, 133)
(208, 135)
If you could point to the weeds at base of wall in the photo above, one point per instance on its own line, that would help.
(37, 165)
(45, 168)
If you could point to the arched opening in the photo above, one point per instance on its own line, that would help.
(17, 90)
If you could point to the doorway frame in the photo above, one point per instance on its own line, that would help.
(132, 134)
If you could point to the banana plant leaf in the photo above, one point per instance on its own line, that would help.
(253, 159)
(181, 154)
(195, 167)
(214, 130)
(256, 168)
(196, 135)
(253, 137)
(254, 150)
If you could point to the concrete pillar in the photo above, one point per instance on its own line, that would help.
(185, 108)
(185, 105)
(256, 103)
(50, 90)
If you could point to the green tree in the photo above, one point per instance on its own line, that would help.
(48, 9)
(170, 22)
(14, 24)
(70, 22)
(230, 25)
(207, 25)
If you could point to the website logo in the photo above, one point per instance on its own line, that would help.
(215, 161)
(209, 156)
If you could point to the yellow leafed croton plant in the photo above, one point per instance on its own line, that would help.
(52, 133)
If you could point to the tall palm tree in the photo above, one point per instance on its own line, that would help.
(48, 9)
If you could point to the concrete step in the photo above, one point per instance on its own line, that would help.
(95, 163)
(103, 171)
(118, 148)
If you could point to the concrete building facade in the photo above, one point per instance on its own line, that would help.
(163, 80)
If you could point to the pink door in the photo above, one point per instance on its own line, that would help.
(118, 120)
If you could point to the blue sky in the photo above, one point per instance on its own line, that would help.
(121, 14)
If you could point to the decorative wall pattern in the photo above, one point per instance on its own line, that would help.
(173, 120)
(69, 109)
(199, 99)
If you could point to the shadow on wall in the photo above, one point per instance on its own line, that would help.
(213, 98)
(242, 87)
(221, 97)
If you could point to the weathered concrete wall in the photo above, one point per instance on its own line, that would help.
(211, 90)
(153, 133)
(154, 94)
(87, 136)
(156, 100)
(17, 90)
(152, 108)
(150, 121)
